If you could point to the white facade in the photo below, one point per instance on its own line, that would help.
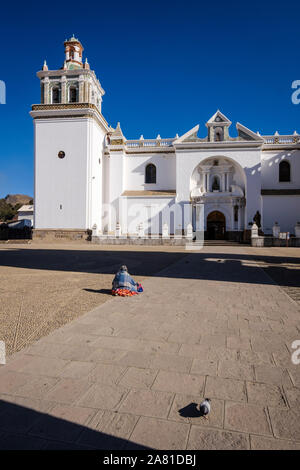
(88, 175)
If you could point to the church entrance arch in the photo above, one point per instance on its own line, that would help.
(216, 226)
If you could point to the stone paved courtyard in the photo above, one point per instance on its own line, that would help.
(128, 373)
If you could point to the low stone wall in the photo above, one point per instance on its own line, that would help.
(109, 240)
(56, 235)
(271, 241)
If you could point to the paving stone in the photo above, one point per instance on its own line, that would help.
(138, 378)
(235, 370)
(256, 358)
(265, 443)
(45, 366)
(265, 394)
(266, 345)
(246, 418)
(213, 340)
(37, 387)
(179, 383)
(213, 439)
(226, 389)
(78, 369)
(294, 373)
(16, 362)
(103, 397)
(171, 362)
(147, 403)
(73, 352)
(206, 352)
(285, 423)
(63, 423)
(108, 430)
(204, 367)
(106, 373)
(106, 356)
(185, 336)
(184, 409)
(159, 434)
(293, 396)
(272, 375)
(10, 381)
(42, 348)
(67, 390)
(237, 342)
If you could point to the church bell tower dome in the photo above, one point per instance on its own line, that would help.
(73, 53)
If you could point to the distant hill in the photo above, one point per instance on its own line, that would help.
(14, 199)
(10, 204)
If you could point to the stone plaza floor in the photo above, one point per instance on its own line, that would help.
(129, 373)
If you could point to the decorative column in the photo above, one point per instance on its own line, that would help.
(208, 182)
(232, 215)
(223, 187)
(63, 89)
(46, 90)
(81, 89)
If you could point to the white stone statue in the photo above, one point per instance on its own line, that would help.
(141, 233)
(118, 230)
(165, 231)
(189, 231)
(254, 231)
(94, 230)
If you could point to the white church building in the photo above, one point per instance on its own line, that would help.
(89, 176)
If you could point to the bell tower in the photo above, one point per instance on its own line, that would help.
(73, 53)
(69, 138)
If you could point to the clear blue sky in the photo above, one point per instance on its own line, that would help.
(165, 66)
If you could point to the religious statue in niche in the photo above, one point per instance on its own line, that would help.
(257, 219)
(216, 184)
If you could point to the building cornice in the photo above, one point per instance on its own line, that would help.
(71, 110)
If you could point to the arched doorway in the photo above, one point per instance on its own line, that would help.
(216, 226)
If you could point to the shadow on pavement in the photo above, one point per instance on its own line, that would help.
(27, 429)
(219, 266)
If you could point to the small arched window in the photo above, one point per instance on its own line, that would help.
(55, 95)
(150, 174)
(284, 172)
(72, 94)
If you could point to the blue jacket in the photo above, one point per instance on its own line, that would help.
(124, 280)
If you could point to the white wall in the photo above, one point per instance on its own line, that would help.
(151, 211)
(270, 169)
(282, 209)
(135, 166)
(66, 195)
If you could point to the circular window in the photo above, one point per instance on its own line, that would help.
(61, 154)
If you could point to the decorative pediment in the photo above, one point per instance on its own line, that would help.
(246, 134)
(218, 119)
(189, 136)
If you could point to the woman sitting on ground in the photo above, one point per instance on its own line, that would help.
(123, 284)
